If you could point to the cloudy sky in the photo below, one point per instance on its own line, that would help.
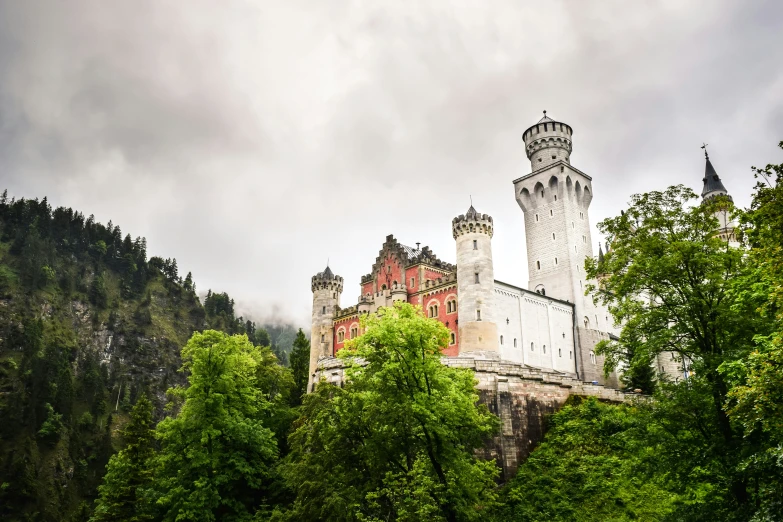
(255, 140)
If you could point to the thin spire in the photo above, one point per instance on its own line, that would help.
(704, 146)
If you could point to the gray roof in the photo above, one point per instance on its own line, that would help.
(712, 182)
(410, 251)
(545, 119)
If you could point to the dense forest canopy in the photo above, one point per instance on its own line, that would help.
(124, 398)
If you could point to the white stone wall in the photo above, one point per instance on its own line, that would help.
(537, 330)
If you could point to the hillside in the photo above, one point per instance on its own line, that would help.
(87, 324)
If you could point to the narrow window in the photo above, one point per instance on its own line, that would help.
(453, 340)
(334, 295)
(550, 210)
(569, 354)
(323, 311)
(538, 265)
(323, 338)
(553, 236)
(555, 261)
(542, 192)
(559, 352)
(555, 200)
(532, 347)
(413, 282)
(515, 342)
(543, 291)
(478, 315)
(475, 244)
(554, 157)
(536, 218)
(544, 348)
(477, 277)
(501, 340)
(572, 224)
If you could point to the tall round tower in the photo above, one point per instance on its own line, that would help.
(327, 289)
(547, 142)
(475, 282)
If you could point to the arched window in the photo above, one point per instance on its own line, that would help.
(453, 339)
(354, 332)
(323, 338)
(592, 356)
(544, 348)
(478, 315)
(501, 340)
(586, 320)
(475, 244)
(340, 335)
(559, 352)
(532, 347)
(550, 210)
(515, 342)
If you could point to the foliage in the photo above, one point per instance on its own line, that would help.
(128, 472)
(300, 366)
(589, 467)
(677, 288)
(215, 454)
(397, 442)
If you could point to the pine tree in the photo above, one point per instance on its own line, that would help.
(300, 366)
(128, 473)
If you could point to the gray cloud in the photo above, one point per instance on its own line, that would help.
(254, 141)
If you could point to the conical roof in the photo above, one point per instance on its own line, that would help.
(545, 119)
(712, 182)
(600, 253)
(471, 214)
(328, 272)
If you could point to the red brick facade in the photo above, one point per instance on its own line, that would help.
(413, 268)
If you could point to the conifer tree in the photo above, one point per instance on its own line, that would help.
(300, 366)
(128, 472)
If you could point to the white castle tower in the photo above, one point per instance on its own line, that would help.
(555, 198)
(327, 289)
(476, 282)
(713, 187)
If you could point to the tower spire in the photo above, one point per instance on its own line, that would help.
(713, 186)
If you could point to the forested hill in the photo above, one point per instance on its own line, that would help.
(87, 324)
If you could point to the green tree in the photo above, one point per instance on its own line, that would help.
(300, 366)
(129, 474)
(757, 398)
(587, 468)
(216, 453)
(670, 282)
(397, 442)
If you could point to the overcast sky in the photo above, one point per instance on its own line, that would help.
(255, 140)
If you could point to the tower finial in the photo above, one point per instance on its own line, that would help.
(544, 113)
(471, 200)
(704, 146)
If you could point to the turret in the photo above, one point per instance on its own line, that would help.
(713, 188)
(475, 282)
(327, 289)
(546, 142)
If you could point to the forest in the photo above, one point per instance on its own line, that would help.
(125, 398)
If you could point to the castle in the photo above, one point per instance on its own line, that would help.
(550, 327)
